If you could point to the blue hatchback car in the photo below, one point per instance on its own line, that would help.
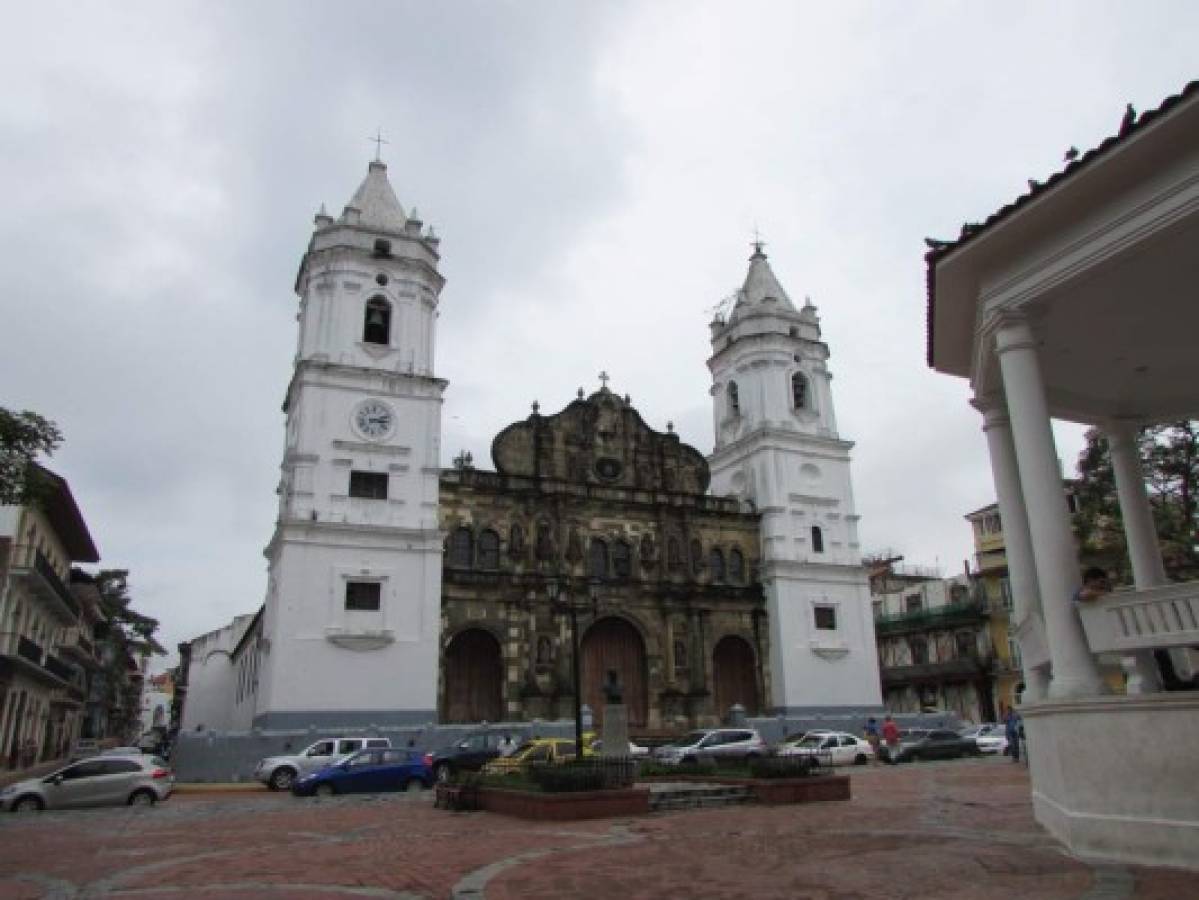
(368, 771)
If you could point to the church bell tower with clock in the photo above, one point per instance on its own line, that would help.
(352, 615)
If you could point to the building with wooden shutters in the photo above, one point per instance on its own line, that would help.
(617, 515)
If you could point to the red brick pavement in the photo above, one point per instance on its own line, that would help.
(955, 829)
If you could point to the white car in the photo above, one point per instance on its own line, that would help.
(279, 773)
(635, 750)
(841, 748)
(712, 743)
(990, 737)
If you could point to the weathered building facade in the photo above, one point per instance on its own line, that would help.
(593, 504)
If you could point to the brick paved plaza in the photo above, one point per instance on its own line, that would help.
(960, 829)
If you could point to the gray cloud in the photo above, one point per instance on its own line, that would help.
(595, 171)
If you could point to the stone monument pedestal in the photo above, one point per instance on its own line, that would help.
(616, 730)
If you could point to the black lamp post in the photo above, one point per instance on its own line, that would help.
(566, 605)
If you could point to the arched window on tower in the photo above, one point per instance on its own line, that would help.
(716, 564)
(489, 550)
(376, 328)
(674, 555)
(799, 391)
(597, 560)
(817, 539)
(734, 399)
(462, 549)
(736, 566)
(622, 560)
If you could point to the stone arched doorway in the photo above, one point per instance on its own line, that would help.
(735, 675)
(613, 643)
(474, 678)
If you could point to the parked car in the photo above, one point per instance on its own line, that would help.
(991, 737)
(534, 752)
(839, 747)
(137, 780)
(279, 773)
(368, 771)
(917, 743)
(635, 750)
(467, 755)
(712, 743)
(84, 747)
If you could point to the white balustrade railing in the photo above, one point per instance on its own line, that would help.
(1152, 619)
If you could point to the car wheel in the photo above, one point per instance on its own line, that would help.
(142, 798)
(442, 773)
(28, 804)
(325, 790)
(282, 780)
(860, 759)
(689, 760)
(414, 786)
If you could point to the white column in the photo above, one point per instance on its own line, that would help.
(1141, 534)
(1054, 552)
(1017, 541)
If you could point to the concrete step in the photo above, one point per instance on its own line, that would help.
(695, 796)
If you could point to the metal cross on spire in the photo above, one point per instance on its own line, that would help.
(378, 140)
(604, 377)
(758, 242)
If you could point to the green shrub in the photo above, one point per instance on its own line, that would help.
(584, 775)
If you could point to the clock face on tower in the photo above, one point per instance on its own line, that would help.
(374, 419)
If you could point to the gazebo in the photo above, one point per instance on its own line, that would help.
(1080, 301)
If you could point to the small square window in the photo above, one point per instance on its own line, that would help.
(371, 485)
(363, 596)
(826, 617)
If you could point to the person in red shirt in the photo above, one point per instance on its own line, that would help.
(891, 738)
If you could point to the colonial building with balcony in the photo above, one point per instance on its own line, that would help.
(44, 644)
(935, 646)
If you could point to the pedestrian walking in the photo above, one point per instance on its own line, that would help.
(891, 737)
(1012, 729)
(871, 733)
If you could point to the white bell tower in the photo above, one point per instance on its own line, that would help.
(352, 615)
(777, 446)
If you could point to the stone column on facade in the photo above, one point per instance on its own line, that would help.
(1017, 541)
(1054, 552)
(1148, 571)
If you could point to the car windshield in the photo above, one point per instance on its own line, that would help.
(690, 740)
(811, 740)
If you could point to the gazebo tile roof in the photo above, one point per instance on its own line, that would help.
(971, 230)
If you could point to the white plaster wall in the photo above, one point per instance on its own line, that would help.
(1115, 777)
(210, 685)
(304, 670)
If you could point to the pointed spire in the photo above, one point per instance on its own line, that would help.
(761, 285)
(375, 205)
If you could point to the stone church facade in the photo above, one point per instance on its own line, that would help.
(616, 516)
(401, 594)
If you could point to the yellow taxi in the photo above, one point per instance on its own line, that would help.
(537, 751)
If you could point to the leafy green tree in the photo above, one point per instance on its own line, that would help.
(23, 436)
(1170, 463)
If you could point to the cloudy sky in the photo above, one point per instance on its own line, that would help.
(596, 171)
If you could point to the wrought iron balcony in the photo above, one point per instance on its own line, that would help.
(963, 667)
(45, 582)
(949, 616)
(58, 668)
(27, 649)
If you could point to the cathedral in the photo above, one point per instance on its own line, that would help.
(400, 593)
